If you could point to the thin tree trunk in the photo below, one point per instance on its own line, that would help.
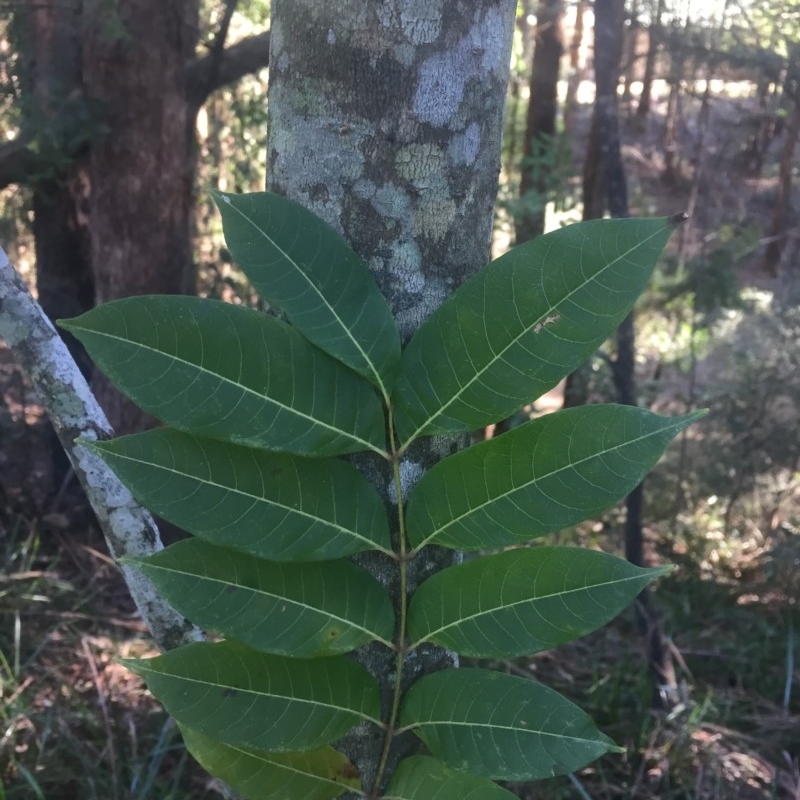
(654, 42)
(49, 34)
(631, 45)
(605, 127)
(134, 65)
(672, 118)
(604, 175)
(788, 295)
(575, 65)
(783, 200)
(540, 128)
(389, 127)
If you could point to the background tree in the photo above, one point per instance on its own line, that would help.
(110, 94)
(54, 156)
(540, 142)
(782, 218)
(576, 65)
(654, 34)
(605, 186)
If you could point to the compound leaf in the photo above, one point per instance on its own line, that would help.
(523, 323)
(299, 610)
(426, 778)
(273, 505)
(301, 265)
(231, 373)
(522, 601)
(259, 775)
(499, 726)
(545, 475)
(242, 697)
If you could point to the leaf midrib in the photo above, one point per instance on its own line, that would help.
(552, 306)
(222, 487)
(296, 603)
(367, 360)
(497, 609)
(262, 694)
(492, 727)
(244, 389)
(503, 495)
(248, 752)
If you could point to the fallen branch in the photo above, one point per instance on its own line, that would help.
(129, 530)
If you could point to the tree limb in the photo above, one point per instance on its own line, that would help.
(217, 48)
(204, 75)
(129, 530)
(19, 163)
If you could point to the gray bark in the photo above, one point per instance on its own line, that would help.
(129, 529)
(386, 121)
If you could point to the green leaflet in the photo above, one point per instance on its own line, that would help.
(523, 601)
(245, 698)
(259, 408)
(499, 726)
(550, 473)
(260, 775)
(273, 505)
(301, 265)
(299, 610)
(231, 373)
(426, 778)
(523, 323)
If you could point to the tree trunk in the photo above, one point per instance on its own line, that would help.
(49, 34)
(672, 118)
(604, 174)
(111, 92)
(631, 45)
(788, 295)
(608, 170)
(781, 221)
(135, 55)
(575, 65)
(540, 127)
(134, 66)
(388, 126)
(654, 42)
(48, 37)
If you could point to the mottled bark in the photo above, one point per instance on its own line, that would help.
(540, 126)
(129, 529)
(386, 121)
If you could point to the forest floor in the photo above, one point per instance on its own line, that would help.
(74, 723)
